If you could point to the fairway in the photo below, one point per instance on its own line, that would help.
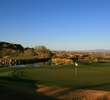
(93, 76)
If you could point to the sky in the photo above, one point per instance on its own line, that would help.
(56, 24)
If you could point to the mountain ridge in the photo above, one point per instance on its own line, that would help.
(98, 50)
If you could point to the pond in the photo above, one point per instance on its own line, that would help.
(24, 62)
(38, 64)
(27, 65)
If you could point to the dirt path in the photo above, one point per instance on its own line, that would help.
(68, 94)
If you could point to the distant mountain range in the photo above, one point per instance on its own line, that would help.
(98, 50)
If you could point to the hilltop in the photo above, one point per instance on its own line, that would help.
(17, 50)
(10, 49)
(6, 45)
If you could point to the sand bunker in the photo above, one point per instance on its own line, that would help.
(69, 94)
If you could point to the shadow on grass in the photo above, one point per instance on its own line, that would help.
(103, 86)
(12, 88)
(17, 79)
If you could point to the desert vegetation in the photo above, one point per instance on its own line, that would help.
(16, 51)
(11, 50)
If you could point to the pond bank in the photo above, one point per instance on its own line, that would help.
(12, 62)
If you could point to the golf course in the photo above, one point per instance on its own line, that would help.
(53, 82)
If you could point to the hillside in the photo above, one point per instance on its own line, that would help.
(6, 45)
(10, 49)
(16, 50)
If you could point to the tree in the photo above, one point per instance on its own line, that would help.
(42, 52)
(29, 53)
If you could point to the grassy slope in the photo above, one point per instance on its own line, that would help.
(20, 82)
(13, 87)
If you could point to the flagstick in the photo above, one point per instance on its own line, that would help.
(76, 64)
(75, 71)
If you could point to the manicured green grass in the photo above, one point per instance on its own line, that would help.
(85, 76)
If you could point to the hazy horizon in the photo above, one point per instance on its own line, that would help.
(57, 24)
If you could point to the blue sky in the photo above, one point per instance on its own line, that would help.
(56, 24)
